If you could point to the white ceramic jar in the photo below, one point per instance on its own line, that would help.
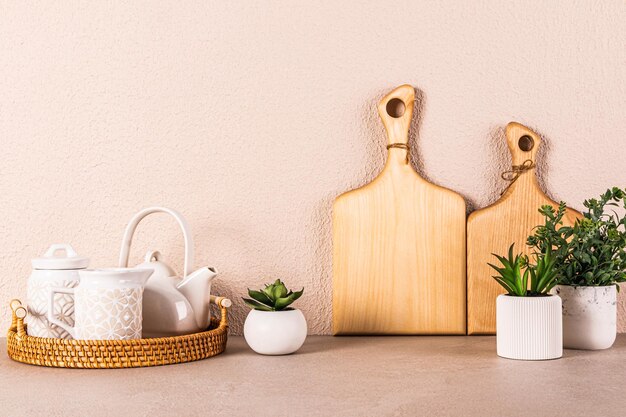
(58, 267)
(529, 328)
(275, 332)
(589, 316)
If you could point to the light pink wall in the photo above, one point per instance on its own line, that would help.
(250, 118)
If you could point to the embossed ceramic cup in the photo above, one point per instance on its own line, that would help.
(107, 304)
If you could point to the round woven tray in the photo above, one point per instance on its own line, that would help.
(64, 353)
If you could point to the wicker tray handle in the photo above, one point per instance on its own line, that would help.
(221, 301)
(17, 318)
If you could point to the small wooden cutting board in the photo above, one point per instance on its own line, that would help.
(493, 229)
(399, 245)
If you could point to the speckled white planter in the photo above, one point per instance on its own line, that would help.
(529, 328)
(589, 316)
(275, 332)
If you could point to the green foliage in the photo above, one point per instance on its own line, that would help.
(274, 297)
(541, 275)
(592, 251)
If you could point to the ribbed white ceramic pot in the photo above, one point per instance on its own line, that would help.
(529, 328)
(589, 316)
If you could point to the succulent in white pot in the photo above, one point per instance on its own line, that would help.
(528, 318)
(591, 261)
(272, 327)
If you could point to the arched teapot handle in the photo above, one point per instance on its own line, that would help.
(132, 226)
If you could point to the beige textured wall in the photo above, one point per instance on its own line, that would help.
(250, 117)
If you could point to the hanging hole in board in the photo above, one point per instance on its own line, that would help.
(526, 143)
(395, 108)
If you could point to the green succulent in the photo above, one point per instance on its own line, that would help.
(274, 297)
(592, 252)
(541, 275)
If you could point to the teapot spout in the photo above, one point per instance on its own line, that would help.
(196, 287)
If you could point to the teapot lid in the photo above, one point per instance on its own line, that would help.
(154, 261)
(68, 259)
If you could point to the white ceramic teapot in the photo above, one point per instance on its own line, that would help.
(172, 305)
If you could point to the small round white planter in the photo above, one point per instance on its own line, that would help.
(275, 332)
(529, 328)
(589, 316)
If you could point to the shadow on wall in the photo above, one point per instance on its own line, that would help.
(414, 135)
(217, 246)
(543, 168)
(415, 144)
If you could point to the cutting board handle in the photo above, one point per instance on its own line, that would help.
(523, 142)
(396, 112)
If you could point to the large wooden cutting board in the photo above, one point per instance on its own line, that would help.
(494, 228)
(399, 245)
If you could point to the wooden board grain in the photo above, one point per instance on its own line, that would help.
(399, 246)
(493, 229)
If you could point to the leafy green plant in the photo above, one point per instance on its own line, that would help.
(274, 297)
(592, 252)
(541, 275)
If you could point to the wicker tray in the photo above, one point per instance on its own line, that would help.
(64, 353)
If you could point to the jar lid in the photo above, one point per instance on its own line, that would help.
(60, 256)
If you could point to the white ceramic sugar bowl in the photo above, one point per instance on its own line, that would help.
(58, 267)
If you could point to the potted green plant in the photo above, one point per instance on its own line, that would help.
(272, 327)
(590, 262)
(528, 318)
